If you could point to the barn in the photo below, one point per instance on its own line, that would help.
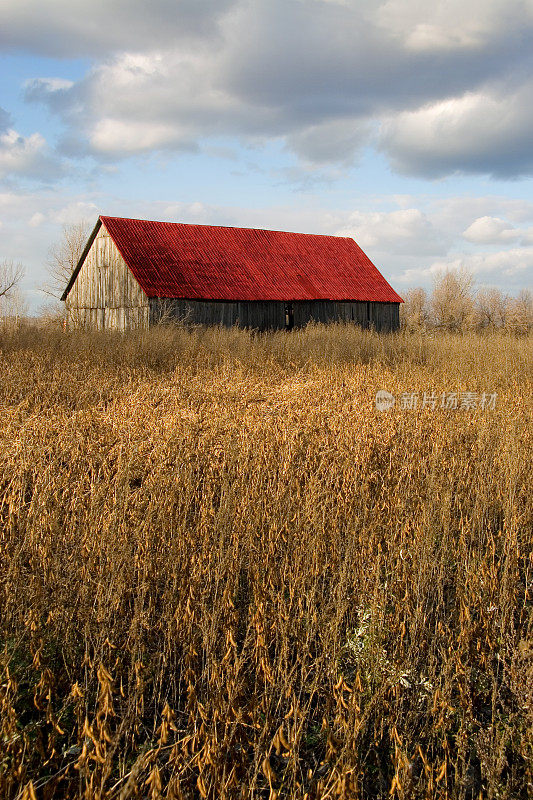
(134, 273)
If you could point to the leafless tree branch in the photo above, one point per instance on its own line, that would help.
(63, 257)
(11, 275)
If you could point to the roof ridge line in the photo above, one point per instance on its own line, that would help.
(224, 227)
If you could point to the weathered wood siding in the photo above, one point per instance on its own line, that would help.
(271, 315)
(381, 316)
(105, 295)
(260, 315)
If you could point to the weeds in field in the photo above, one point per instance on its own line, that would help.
(224, 574)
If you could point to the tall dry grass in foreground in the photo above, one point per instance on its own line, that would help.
(223, 574)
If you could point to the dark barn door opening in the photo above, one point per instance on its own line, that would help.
(289, 317)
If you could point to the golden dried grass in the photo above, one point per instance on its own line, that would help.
(224, 574)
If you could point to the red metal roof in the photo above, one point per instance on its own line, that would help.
(205, 262)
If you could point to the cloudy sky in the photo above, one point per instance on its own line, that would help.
(405, 124)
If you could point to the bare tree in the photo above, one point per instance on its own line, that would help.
(414, 309)
(11, 275)
(491, 307)
(63, 256)
(12, 305)
(520, 317)
(452, 304)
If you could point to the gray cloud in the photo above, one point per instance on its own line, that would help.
(327, 60)
(60, 28)
(5, 120)
(321, 75)
(487, 131)
(329, 142)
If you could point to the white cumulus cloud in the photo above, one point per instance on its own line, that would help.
(493, 230)
(404, 231)
(489, 230)
(27, 156)
(505, 268)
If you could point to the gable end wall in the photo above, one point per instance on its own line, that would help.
(105, 295)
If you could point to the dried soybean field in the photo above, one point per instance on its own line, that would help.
(225, 574)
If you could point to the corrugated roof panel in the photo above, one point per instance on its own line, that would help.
(204, 262)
